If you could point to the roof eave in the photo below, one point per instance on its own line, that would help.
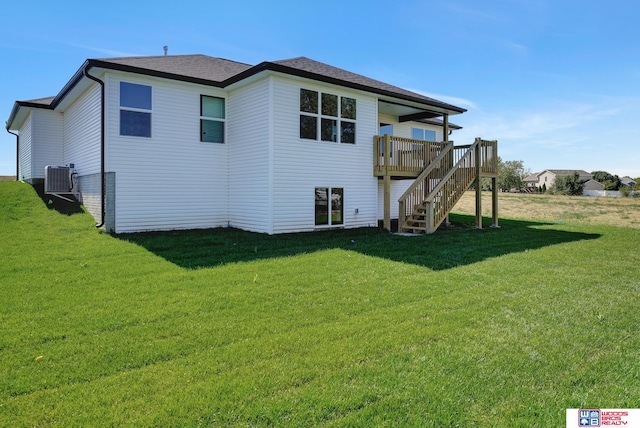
(270, 66)
(96, 63)
(15, 112)
(264, 66)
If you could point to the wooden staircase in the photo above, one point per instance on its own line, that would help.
(434, 193)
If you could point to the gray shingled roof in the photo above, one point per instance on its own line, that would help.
(224, 72)
(206, 70)
(532, 177)
(565, 172)
(319, 68)
(195, 66)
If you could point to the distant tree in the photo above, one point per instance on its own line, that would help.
(625, 191)
(600, 176)
(570, 185)
(614, 184)
(610, 182)
(511, 174)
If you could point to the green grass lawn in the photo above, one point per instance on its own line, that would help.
(500, 327)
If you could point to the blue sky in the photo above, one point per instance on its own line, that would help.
(557, 83)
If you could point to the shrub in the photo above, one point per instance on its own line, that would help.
(569, 185)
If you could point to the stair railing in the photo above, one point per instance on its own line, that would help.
(423, 184)
(448, 191)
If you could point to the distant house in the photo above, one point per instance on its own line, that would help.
(628, 182)
(192, 141)
(531, 180)
(593, 185)
(547, 177)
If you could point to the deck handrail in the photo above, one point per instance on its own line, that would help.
(436, 196)
(489, 156)
(405, 155)
(456, 181)
(411, 196)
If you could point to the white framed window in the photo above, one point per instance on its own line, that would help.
(327, 117)
(135, 110)
(212, 119)
(423, 134)
(329, 206)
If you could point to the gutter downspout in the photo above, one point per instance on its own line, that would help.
(17, 154)
(102, 176)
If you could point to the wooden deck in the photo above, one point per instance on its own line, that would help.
(408, 157)
(442, 172)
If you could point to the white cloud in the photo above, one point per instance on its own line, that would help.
(103, 51)
(590, 136)
(541, 124)
(515, 48)
(456, 101)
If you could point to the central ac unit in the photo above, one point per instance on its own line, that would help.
(57, 179)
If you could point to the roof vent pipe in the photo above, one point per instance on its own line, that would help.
(166, 49)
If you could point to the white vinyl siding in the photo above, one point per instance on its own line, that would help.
(47, 139)
(398, 187)
(403, 129)
(171, 180)
(299, 165)
(82, 146)
(249, 157)
(40, 143)
(82, 132)
(25, 152)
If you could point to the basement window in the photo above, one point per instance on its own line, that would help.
(135, 110)
(329, 206)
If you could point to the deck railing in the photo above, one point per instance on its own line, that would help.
(425, 183)
(405, 156)
(488, 155)
(446, 194)
(439, 187)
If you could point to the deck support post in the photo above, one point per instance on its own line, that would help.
(445, 138)
(386, 222)
(478, 161)
(387, 202)
(494, 202)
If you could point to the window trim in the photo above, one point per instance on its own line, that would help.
(336, 122)
(424, 134)
(122, 108)
(329, 210)
(222, 120)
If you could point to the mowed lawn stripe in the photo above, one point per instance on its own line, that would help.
(313, 329)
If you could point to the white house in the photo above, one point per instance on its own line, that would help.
(547, 177)
(192, 141)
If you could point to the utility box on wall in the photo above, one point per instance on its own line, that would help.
(57, 179)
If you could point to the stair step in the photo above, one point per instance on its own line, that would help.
(414, 228)
(416, 222)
